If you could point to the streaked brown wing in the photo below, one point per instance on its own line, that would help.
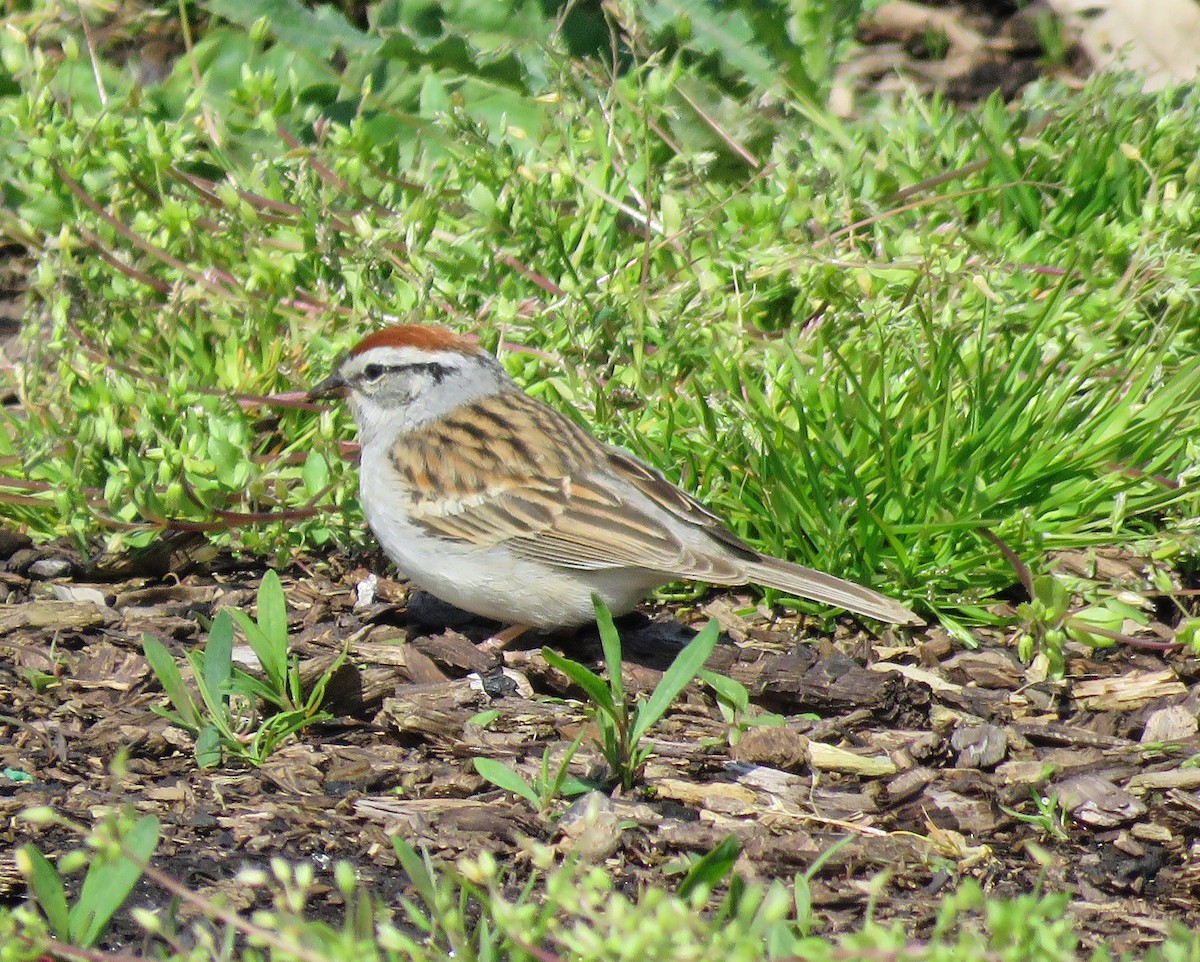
(658, 489)
(516, 472)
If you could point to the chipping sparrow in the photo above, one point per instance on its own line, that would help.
(496, 503)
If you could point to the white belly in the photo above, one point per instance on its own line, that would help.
(495, 583)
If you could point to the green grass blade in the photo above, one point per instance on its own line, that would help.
(610, 641)
(246, 684)
(675, 679)
(710, 869)
(274, 667)
(599, 693)
(989, 123)
(173, 718)
(418, 871)
(216, 705)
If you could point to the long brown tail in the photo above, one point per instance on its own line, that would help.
(809, 583)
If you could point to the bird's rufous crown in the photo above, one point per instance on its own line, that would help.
(423, 337)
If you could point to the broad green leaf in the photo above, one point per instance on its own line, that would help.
(504, 777)
(572, 786)
(109, 882)
(208, 747)
(218, 657)
(315, 473)
(727, 689)
(320, 32)
(1188, 633)
(717, 30)
(1052, 593)
(47, 888)
(272, 612)
(162, 663)
(483, 718)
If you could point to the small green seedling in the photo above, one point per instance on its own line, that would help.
(227, 719)
(734, 702)
(117, 850)
(1048, 622)
(545, 788)
(1048, 816)
(623, 728)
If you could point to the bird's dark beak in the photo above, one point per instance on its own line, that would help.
(332, 386)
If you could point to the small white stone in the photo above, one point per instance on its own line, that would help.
(79, 593)
(365, 592)
(50, 568)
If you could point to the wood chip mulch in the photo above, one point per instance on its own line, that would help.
(924, 759)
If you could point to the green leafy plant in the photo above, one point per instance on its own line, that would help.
(1188, 633)
(117, 848)
(551, 783)
(733, 700)
(966, 432)
(1047, 619)
(1051, 401)
(708, 871)
(448, 910)
(227, 719)
(1048, 815)
(623, 727)
(472, 911)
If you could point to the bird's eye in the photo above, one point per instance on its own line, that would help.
(373, 372)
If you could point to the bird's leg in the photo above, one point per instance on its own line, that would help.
(502, 639)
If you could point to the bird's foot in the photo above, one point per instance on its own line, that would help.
(502, 639)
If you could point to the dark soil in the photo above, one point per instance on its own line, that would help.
(942, 749)
(964, 51)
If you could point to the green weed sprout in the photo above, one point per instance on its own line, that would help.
(733, 700)
(544, 789)
(119, 848)
(226, 720)
(623, 728)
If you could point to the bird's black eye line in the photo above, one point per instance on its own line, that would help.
(373, 372)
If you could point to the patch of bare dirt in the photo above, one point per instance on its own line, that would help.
(966, 51)
(921, 754)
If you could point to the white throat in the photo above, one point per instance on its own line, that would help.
(420, 387)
